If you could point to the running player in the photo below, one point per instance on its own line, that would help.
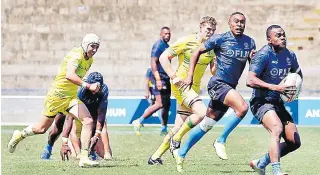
(269, 66)
(189, 102)
(97, 105)
(161, 80)
(232, 49)
(62, 97)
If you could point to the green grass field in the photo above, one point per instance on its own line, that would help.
(132, 152)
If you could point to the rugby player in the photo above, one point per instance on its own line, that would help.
(149, 93)
(62, 97)
(97, 104)
(189, 102)
(232, 50)
(270, 65)
(161, 80)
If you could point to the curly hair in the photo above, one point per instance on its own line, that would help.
(208, 20)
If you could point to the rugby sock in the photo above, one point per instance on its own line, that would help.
(48, 148)
(195, 135)
(27, 131)
(276, 167)
(187, 126)
(263, 161)
(140, 119)
(162, 148)
(234, 121)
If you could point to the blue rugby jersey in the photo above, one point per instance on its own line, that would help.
(232, 54)
(272, 67)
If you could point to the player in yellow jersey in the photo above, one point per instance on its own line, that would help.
(189, 103)
(62, 97)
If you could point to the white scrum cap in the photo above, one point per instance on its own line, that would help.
(88, 39)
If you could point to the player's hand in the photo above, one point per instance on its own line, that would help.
(147, 95)
(93, 142)
(65, 152)
(159, 84)
(187, 81)
(252, 53)
(285, 89)
(176, 81)
(95, 87)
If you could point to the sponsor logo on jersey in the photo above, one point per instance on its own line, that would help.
(288, 61)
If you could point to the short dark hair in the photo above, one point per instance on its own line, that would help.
(270, 28)
(165, 27)
(236, 13)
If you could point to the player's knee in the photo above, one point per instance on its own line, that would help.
(243, 109)
(158, 105)
(41, 130)
(276, 130)
(87, 121)
(206, 124)
(200, 113)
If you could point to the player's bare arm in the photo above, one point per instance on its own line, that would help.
(193, 62)
(100, 123)
(213, 66)
(74, 78)
(65, 150)
(155, 72)
(254, 82)
(251, 55)
(165, 63)
(147, 87)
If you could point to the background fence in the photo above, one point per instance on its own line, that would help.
(22, 110)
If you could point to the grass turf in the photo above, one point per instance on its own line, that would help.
(132, 152)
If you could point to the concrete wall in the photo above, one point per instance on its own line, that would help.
(37, 34)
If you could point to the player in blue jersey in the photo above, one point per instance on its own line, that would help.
(161, 82)
(269, 66)
(97, 105)
(232, 50)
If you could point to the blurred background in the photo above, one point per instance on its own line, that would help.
(37, 34)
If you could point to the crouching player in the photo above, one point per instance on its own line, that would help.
(97, 105)
(269, 66)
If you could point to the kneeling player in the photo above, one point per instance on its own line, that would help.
(97, 105)
(269, 66)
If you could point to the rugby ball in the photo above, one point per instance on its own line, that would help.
(293, 79)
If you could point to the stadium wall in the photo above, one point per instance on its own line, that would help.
(37, 34)
(23, 110)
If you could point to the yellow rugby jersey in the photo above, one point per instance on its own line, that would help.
(183, 48)
(63, 87)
